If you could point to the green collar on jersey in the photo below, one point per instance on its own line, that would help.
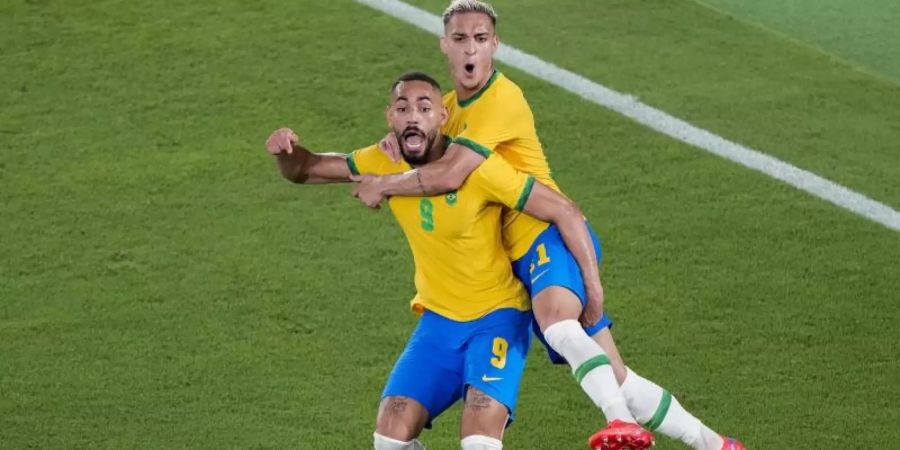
(477, 95)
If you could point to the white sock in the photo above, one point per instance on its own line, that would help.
(479, 442)
(658, 410)
(386, 443)
(591, 368)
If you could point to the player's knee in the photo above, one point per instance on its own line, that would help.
(386, 443)
(400, 418)
(479, 442)
(555, 304)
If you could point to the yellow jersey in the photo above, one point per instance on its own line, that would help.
(497, 119)
(462, 269)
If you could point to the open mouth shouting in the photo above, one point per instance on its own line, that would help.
(414, 140)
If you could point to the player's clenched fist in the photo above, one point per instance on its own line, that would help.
(281, 141)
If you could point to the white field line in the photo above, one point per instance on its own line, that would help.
(662, 122)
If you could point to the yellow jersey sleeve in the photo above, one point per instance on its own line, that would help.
(370, 160)
(501, 183)
(494, 122)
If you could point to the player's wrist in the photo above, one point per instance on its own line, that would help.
(594, 287)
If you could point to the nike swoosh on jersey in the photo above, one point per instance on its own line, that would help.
(535, 278)
(488, 379)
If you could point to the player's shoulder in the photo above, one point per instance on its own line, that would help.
(504, 94)
(371, 159)
(449, 98)
(370, 153)
(490, 170)
(508, 87)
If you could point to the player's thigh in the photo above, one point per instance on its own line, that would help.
(401, 418)
(551, 274)
(495, 362)
(426, 380)
(482, 415)
(605, 338)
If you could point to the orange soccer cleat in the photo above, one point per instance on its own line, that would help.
(732, 444)
(619, 435)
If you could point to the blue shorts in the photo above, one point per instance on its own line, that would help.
(443, 357)
(550, 263)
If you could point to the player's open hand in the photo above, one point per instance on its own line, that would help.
(368, 190)
(281, 141)
(593, 310)
(390, 147)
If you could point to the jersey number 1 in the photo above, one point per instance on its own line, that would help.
(542, 257)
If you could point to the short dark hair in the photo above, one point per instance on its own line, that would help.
(416, 76)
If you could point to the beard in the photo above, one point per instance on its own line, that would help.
(415, 159)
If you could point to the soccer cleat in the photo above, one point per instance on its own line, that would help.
(732, 444)
(619, 435)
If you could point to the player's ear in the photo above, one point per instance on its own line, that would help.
(443, 44)
(387, 115)
(444, 115)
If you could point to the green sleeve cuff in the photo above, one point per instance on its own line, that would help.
(472, 145)
(351, 164)
(526, 192)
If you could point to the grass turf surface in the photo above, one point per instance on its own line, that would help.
(865, 33)
(162, 288)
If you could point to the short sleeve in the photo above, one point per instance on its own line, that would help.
(371, 160)
(493, 122)
(502, 183)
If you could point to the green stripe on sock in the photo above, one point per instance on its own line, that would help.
(661, 411)
(590, 365)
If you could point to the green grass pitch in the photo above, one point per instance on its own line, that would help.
(162, 287)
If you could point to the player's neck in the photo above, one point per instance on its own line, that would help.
(463, 93)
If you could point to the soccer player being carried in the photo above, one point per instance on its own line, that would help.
(489, 116)
(475, 330)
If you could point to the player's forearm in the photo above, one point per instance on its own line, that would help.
(551, 206)
(292, 165)
(438, 177)
(303, 166)
(577, 238)
(406, 184)
(427, 180)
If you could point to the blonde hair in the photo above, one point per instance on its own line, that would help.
(467, 6)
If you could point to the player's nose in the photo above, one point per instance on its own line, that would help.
(470, 48)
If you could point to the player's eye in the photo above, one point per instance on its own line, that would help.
(401, 109)
(482, 39)
(425, 109)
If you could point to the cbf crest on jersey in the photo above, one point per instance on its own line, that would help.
(451, 198)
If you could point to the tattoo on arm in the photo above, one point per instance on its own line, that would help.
(421, 186)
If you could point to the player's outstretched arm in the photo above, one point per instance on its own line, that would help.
(550, 206)
(299, 165)
(444, 175)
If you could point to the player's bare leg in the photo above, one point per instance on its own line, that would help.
(657, 409)
(556, 310)
(400, 421)
(483, 422)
